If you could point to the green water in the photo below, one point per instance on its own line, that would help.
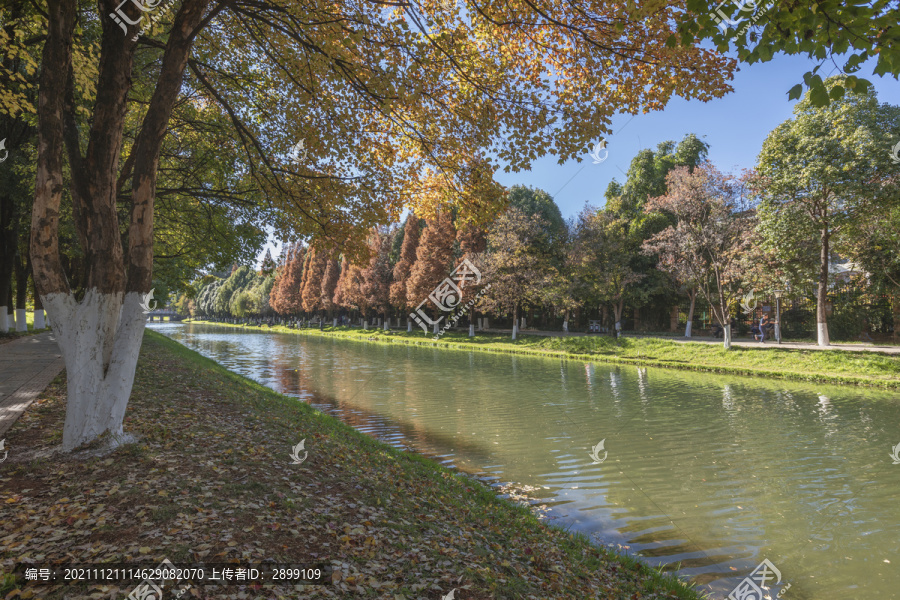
(705, 474)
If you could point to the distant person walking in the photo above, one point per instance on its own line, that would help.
(764, 327)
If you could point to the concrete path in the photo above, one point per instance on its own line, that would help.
(27, 366)
(798, 345)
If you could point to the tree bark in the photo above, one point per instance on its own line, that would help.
(23, 270)
(821, 300)
(618, 308)
(515, 320)
(895, 305)
(39, 322)
(100, 336)
(7, 259)
(690, 316)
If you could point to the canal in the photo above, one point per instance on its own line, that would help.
(706, 474)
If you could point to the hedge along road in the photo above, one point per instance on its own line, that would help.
(713, 472)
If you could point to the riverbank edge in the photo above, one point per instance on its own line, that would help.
(435, 475)
(377, 336)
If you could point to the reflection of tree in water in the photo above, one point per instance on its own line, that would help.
(642, 383)
(615, 384)
(728, 398)
(589, 378)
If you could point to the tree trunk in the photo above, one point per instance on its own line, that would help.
(618, 309)
(821, 301)
(7, 262)
(11, 309)
(23, 270)
(39, 322)
(515, 320)
(723, 316)
(9, 238)
(690, 316)
(100, 337)
(895, 304)
(98, 390)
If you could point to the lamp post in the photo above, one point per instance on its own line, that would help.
(778, 294)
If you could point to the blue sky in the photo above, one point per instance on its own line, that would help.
(734, 126)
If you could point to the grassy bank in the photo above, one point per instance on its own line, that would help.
(211, 480)
(826, 366)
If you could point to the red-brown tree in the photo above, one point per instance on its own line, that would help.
(404, 265)
(312, 282)
(434, 259)
(329, 285)
(377, 275)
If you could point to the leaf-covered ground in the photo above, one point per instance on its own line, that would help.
(211, 480)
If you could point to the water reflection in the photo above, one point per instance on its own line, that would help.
(707, 472)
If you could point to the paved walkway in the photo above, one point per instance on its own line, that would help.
(27, 366)
(747, 343)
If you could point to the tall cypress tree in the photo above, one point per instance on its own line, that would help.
(404, 265)
(434, 257)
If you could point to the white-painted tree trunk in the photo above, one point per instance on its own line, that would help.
(12, 320)
(727, 335)
(435, 329)
(100, 339)
(365, 323)
(514, 331)
(822, 329)
(334, 322)
(486, 323)
(523, 323)
(21, 320)
(566, 326)
(39, 322)
(408, 326)
(471, 329)
(387, 325)
(687, 329)
(4, 320)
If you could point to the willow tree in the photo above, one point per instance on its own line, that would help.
(386, 98)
